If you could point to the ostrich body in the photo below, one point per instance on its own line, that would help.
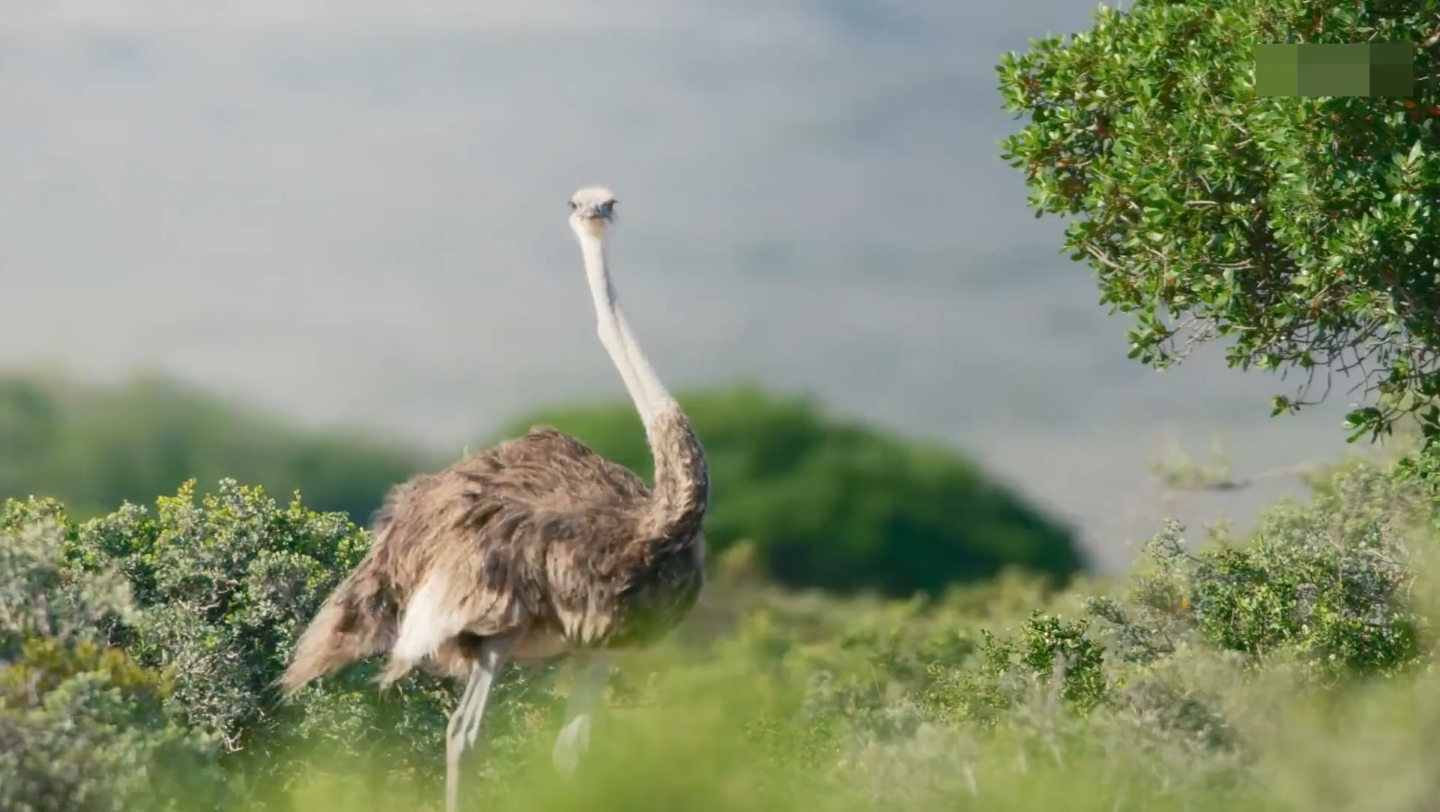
(533, 549)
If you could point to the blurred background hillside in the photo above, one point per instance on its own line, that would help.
(348, 217)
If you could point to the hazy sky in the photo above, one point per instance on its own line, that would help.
(353, 212)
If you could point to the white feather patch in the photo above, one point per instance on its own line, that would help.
(428, 621)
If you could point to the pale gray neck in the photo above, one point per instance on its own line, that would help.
(652, 399)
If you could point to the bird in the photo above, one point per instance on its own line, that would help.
(531, 551)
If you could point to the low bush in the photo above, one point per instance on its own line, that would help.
(82, 726)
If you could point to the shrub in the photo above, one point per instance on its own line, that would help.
(1326, 582)
(82, 726)
(223, 586)
(1321, 595)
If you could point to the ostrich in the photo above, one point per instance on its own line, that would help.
(528, 551)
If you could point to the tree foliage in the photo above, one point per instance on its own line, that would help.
(835, 504)
(1305, 232)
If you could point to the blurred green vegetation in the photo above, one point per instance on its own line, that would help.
(1293, 669)
(95, 447)
(832, 504)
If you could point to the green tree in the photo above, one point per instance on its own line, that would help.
(835, 504)
(1305, 232)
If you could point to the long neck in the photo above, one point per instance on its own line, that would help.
(650, 396)
(682, 481)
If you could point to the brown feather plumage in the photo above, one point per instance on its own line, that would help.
(538, 538)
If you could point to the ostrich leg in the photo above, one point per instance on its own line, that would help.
(464, 725)
(574, 736)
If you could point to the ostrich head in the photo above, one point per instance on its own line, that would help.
(591, 209)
